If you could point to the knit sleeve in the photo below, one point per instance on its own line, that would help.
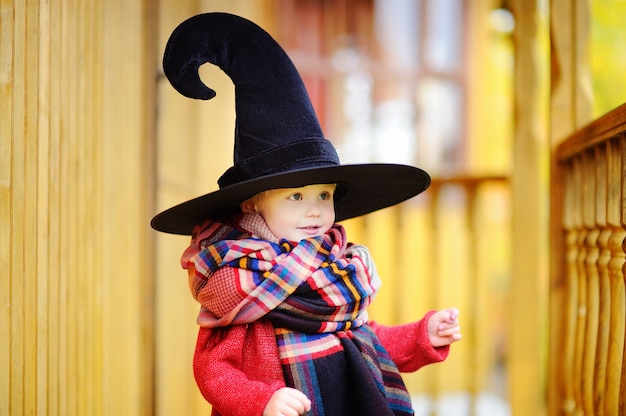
(409, 345)
(237, 368)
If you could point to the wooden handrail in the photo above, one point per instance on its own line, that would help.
(598, 131)
(467, 179)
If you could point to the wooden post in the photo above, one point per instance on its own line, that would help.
(569, 108)
(527, 309)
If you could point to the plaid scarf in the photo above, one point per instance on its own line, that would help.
(315, 292)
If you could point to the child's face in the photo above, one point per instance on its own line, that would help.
(298, 213)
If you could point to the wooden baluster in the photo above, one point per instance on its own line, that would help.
(435, 218)
(571, 307)
(615, 359)
(580, 317)
(622, 282)
(622, 298)
(604, 288)
(476, 362)
(579, 288)
(591, 295)
(614, 370)
(567, 358)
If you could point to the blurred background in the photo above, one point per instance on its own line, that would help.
(96, 315)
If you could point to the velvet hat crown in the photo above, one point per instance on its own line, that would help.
(278, 139)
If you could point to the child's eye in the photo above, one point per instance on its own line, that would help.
(296, 197)
(325, 196)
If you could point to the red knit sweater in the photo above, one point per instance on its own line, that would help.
(237, 368)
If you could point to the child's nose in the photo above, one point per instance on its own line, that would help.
(313, 210)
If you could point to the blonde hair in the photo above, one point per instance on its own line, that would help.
(249, 206)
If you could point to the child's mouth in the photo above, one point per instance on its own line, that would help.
(313, 229)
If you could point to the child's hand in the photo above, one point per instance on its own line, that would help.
(287, 402)
(443, 327)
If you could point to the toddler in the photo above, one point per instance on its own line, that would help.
(284, 328)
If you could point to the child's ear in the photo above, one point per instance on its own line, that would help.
(247, 207)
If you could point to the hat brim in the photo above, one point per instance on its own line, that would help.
(361, 189)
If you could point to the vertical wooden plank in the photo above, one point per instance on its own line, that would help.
(18, 180)
(30, 207)
(116, 301)
(582, 87)
(570, 91)
(70, 215)
(472, 305)
(562, 95)
(486, 302)
(451, 282)
(430, 287)
(489, 92)
(118, 370)
(97, 67)
(42, 237)
(66, 214)
(80, 229)
(493, 225)
(382, 240)
(127, 316)
(122, 227)
(88, 330)
(54, 213)
(149, 45)
(6, 155)
(415, 255)
(528, 191)
(88, 129)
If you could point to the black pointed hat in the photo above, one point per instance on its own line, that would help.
(278, 140)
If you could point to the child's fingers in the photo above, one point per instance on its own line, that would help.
(299, 402)
(444, 326)
(287, 402)
(454, 337)
(304, 404)
(446, 331)
(453, 314)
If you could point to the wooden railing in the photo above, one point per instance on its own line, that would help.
(588, 296)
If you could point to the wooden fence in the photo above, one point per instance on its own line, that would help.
(76, 193)
(588, 296)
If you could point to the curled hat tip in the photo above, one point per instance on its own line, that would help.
(184, 54)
